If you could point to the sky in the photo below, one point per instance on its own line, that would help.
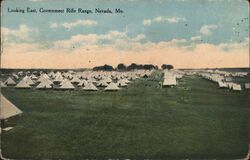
(184, 33)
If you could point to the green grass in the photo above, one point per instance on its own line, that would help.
(193, 120)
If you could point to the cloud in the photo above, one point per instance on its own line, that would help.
(22, 33)
(206, 29)
(161, 19)
(21, 48)
(195, 38)
(139, 37)
(77, 23)
(209, 55)
(111, 37)
(178, 41)
(27, 55)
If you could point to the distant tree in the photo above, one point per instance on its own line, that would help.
(132, 66)
(121, 67)
(167, 66)
(163, 66)
(108, 67)
(148, 67)
(140, 66)
(103, 68)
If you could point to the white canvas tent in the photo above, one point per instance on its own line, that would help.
(228, 79)
(42, 77)
(63, 82)
(169, 81)
(66, 85)
(75, 80)
(90, 87)
(230, 85)
(91, 80)
(122, 83)
(236, 87)
(33, 76)
(15, 76)
(82, 83)
(222, 84)
(112, 87)
(2, 84)
(58, 78)
(44, 85)
(247, 85)
(22, 84)
(102, 83)
(7, 109)
(47, 81)
(28, 80)
(107, 79)
(10, 81)
(126, 80)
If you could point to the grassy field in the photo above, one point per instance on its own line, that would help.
(193, 120)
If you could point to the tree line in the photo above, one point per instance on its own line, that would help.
(133, 66)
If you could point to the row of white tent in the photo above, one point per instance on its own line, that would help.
(223, 82)
(227, 73)
(220, 72)
(84, 74)
(86, 80)
(66, 84)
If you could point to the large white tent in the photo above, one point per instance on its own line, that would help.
(15, 76)
(66, 85)
(247, 85)
(44, 85)
(102, 83)
(2, 84)
(10, 81)
(171, 81)
(82, 83)
(112, 87)
(90, 87)
(58, 78)
(63, 82)
(8, 109)
(222, 84)
(28, 80)
(75, 80)
(42, 77)
(122, 83)
(236, 87)
(22, 84)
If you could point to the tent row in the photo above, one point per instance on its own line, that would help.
(225, 73)
(87, 80)
(223, 82)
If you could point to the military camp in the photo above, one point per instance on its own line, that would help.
(137, 113)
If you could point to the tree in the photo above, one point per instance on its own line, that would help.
(103, 68)
(121, 67)
(148, 67)
(132, 66)
(167, 66)
(108, 67)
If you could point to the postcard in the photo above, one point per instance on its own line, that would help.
(125, 79)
